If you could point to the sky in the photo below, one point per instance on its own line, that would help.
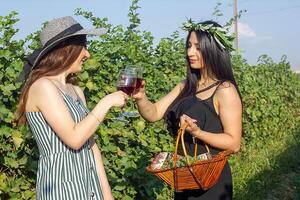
(269, 27)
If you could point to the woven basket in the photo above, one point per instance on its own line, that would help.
(200, 175)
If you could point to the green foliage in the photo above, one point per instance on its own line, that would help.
(217, 12)
(271, 98)
(270, 94)
(271, 104)
(18, 153)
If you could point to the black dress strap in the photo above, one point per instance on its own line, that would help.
(208, 87)
(211, 97)
(219, 83)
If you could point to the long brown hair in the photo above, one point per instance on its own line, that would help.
(55, 62)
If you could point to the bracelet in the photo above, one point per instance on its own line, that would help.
(95, 117)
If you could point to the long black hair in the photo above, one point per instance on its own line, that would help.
(216, 60)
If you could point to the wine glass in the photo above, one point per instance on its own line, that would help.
(126, 83)
(139, 77)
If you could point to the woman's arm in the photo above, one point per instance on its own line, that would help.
(230, 111)
(107, 194)
(155, 111)
(47, 99)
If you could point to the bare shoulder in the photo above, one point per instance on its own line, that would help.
(40, 91)
(42, 85)
(179, 87)
(226, 87)
(227, 91)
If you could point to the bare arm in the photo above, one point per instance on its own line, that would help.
(98, 159)
(230, 111)
(155, 111)
(48, 100)
(101, 172)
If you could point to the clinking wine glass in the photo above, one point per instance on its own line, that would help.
(139, 79)
(126, 83)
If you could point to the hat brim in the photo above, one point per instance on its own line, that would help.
(88, 32)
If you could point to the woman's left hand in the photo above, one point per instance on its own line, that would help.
(192, 127)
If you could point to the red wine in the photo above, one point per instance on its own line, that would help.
(127, 89)
(138, 83)
(127, 84)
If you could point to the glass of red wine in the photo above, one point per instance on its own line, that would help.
(127, 83)
(139, 77)
(139, 80)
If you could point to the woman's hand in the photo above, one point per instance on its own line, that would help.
(192, 127)
(117, 99)
(139, 93)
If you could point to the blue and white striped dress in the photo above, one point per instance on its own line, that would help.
(64, 173)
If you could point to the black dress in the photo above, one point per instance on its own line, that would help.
(208, 120)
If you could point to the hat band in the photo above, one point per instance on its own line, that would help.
(32, 59)
(69, 31)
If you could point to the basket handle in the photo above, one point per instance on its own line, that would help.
(180, 131)
(180, 135)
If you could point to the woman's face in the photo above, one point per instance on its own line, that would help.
(77, 65)
(193, 52)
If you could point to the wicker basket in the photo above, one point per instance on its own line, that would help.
(200, 175)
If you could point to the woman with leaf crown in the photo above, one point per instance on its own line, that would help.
(207, 101)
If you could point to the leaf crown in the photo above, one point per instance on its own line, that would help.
(220, 34)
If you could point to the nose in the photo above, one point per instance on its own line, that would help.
(87, 54)
(191, 51)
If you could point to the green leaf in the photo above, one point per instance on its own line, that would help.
(89, 85)
(140, 125)
(17, 138)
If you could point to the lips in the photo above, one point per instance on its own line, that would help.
(192, 61)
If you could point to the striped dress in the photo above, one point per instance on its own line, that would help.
(64, 173)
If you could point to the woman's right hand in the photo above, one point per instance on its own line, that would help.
(117, 99)
(139, 93)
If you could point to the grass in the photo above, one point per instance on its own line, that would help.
(268, 171)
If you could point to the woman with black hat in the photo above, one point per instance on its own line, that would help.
(70, 164)
(207, 101)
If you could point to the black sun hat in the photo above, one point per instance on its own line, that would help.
(55, 32)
